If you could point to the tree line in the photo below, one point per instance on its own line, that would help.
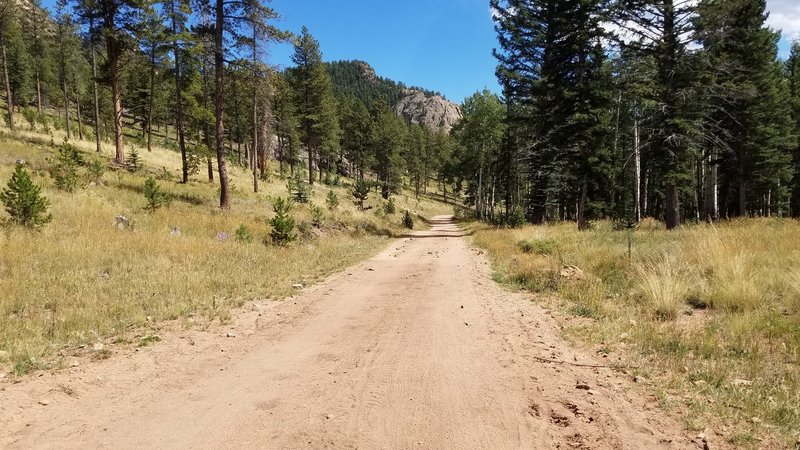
(671, 109)
(192, 75)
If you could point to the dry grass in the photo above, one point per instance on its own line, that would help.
(710, 313)
(82, 280)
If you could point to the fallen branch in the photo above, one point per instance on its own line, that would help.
(594, 366)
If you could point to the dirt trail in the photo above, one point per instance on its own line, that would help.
(415, 348)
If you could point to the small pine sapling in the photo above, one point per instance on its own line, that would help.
(408, 221)
(390, 207)
(64, 169)
(24, 202)
(298, 189)
(361, 193)
(133, 160)
(317, 216)
(95, 170)
(156, 198)
(332, 201)
(244, 235)
(282, 224)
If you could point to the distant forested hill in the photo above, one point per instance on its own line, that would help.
(357, 79)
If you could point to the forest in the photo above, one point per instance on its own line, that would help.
(681, 111)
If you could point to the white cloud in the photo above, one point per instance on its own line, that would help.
(785, 15)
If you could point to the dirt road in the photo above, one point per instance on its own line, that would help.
(415, 348)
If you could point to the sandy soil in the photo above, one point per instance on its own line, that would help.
(415, 348)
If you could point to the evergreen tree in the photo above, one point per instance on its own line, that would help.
(793, 72)
(387, 140)
(286, 124)
(23, 200)
(662, 30)
(316, 107)
(480, 135)
(750, 115)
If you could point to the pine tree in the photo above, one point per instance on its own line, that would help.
(24, 202)
(286, 124)
(387, 139)
(662, 30)
(8, 8)
(155, 196)
(282, 224)
(750, 115)
(316, 106)
(793, 72)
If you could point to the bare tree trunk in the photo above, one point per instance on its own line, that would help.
(113, 54)
(219, 85)
(66, 105)
(637, 162)
(254, 150)
(78, 110)
(95, 92)
(673, 213)
(583, 223)
(151, 99)
(38, 91)
(179, 97)
(9, 97)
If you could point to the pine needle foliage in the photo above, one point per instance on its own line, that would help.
(23, 201)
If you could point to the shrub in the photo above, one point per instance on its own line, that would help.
(282, 224)
(408, 221)
(156, 198)
(539, 246)
(317, 216)
(133, 161)
(361, 193)
(24, 202)
(64, 169)
(243, 234)
(516, 218)
(95, 170)
(298, 189)
(390, 207)
(332, 201)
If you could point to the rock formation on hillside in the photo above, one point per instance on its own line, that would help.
(433, 111)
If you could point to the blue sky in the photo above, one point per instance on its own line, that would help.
(442, 45)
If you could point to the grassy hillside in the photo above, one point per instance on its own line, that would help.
(82, 279)
(709, 314)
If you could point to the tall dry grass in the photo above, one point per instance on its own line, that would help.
(82, 279)
(711, 312)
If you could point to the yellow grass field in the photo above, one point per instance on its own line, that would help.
(82, 280)
(709, 314)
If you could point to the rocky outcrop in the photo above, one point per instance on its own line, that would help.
(366, 72)
(432, 111)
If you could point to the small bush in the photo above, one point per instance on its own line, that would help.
(95, 171)
(317, 216)
(361, 193)
(539, 246)
(390, 207)
(298, 189)
(408, 221)
(282, 224)
(332, 201)
(243, 234)
(156, 198)
(24, 202)
(516, 219)
(134, 163)
(64, 169)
